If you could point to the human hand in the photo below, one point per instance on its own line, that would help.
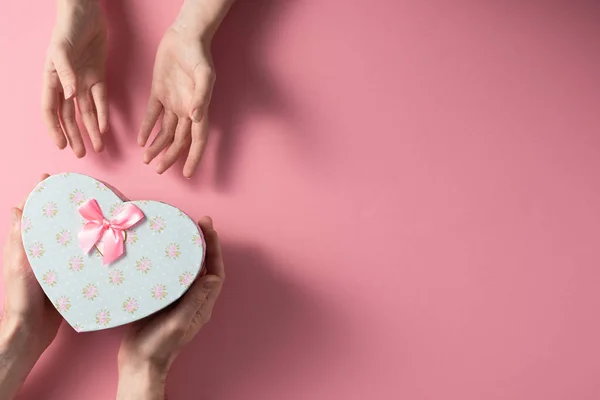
(151, 345)
(75, 73)
(182, 85)
(29, 321)
(181, 89)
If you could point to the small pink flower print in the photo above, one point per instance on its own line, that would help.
(116, 208)
(115, 277)
(36, 250)
(130, 305)
(49, 210)
(157, 224)
(78, 328)
(172, 251)
(76, 263)
(90, 292)
(132, 237)
(197, 240)
(63, 303)
(63, 237)
(101, 186)
(143, 265)
(186, 279)
(25, 224)
(50, 278)
(159, 292)
(77, 197)
(103, 317)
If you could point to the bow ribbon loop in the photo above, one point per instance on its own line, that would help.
(98, 228)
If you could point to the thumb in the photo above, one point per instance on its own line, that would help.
(16, 264)
(204, 79)
(15, 227)
(194, 302)
(64, 69)
(14, 249)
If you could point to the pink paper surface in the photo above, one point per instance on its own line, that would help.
(407, 193)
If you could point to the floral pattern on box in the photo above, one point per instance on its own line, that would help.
(163, 255)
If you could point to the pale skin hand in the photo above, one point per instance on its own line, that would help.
(29, 322)
(75, 74)
(151, 345)
(182, 84)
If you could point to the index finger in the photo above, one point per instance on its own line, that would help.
(50, 104)
(199, 140)
(153, 111)
(101, 102)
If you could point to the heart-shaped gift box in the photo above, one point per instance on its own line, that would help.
(161, 256)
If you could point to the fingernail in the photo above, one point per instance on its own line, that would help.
(197, 115)
(69, 92)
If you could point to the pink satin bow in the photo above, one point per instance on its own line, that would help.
(110, 232)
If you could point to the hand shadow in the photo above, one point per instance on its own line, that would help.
(244, 85)
(260, 318)
(66, 370)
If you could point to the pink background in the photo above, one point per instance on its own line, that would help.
(407, 192)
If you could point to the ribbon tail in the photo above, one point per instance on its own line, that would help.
(89, 235)
(113, 246)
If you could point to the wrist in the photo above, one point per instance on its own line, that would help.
(141, 382)
(201, 18)
(17, 356)
(18, 336)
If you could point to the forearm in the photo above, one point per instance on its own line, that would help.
(202, 17)
(17, 358)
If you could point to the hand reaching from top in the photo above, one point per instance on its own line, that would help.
(182, 85)
(181, 88)
(75, 74)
